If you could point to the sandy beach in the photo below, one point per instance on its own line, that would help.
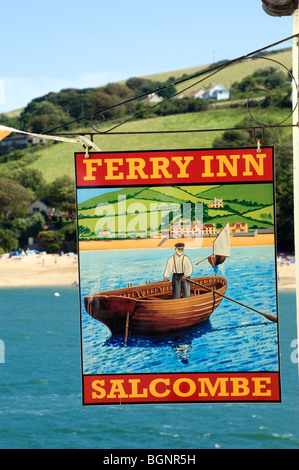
(286, 275)
(55, 270)
(39, 270)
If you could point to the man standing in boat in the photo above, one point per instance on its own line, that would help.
(180, 267)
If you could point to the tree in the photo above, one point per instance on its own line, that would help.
(284, 195)
(61, 194)
(119, 93)
(134, 83)
(28, 227)
(167, 92)
(275, 79)
(39, 117)
(247, 84)
(8, 240)
(52, 240)
(14, 198)
(31, 178)
(241, 137)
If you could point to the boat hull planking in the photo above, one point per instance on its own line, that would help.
(149, 310)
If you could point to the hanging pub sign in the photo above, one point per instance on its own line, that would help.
(177, 269)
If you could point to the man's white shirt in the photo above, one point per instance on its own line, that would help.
(178, 264)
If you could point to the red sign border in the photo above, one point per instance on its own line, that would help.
(144, 378)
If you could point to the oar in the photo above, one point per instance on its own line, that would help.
(266, 315)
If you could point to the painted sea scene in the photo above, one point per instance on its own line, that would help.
(234, 338)
(112, 223)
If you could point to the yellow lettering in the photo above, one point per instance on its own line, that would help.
(220, 382)
(240, 387)
(117, 387)
(259, 386)
(231, 167)
(97, 385)
(207, 165)
(177, 390)
(153, 389)
(136, 165)
(135, 393)
(112, 169)
(182, 166)
(258, 166)
(90, 168)
(160, 165)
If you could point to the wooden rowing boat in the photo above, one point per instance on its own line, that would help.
(150, 310)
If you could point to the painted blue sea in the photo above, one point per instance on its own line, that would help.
(234, 339)
(40, 384)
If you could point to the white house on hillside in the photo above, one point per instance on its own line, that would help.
(216, 92)
(198, 93)
(39, 206)
(153, 98)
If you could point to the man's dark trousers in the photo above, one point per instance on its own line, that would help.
(180, 285)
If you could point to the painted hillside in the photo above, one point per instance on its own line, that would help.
(139, 211)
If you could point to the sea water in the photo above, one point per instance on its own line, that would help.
(40, 387)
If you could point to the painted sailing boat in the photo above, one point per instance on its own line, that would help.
(221, 248)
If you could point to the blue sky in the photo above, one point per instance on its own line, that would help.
(83, 194)
(47, 46)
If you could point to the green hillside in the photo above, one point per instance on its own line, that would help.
(233, 73)
(252, 193)
(58, 159)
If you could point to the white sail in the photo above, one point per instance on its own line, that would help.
(221, 245)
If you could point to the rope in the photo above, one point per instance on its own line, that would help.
(87, 144)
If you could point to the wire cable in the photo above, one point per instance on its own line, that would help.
(211, 71)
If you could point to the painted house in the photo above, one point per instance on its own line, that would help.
(196, 229)
(238, 227)
(186, 229)
(209, 229)
(216, 203)
(181, 228)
